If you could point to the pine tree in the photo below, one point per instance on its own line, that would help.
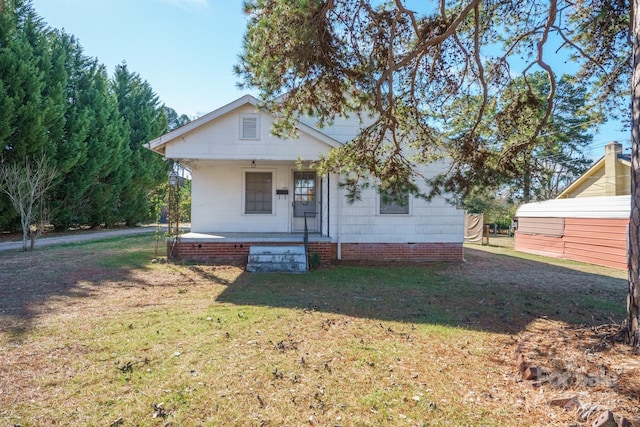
(336, 58)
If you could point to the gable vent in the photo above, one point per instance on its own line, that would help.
(249, 127)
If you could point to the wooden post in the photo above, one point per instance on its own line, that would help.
(485, 235)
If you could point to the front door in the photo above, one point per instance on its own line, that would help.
(305, 201)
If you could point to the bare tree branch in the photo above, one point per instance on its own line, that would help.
(26, 186)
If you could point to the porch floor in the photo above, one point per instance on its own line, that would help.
(251, 237)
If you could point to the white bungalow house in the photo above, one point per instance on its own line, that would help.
(248, 191)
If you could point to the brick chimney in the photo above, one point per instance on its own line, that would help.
(611, 168)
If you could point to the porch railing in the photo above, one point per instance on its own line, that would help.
(306, 238)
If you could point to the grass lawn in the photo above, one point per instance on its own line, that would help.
(97, 334)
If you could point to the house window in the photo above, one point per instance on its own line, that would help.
(249, 126)
(393, 206)
(258, 193)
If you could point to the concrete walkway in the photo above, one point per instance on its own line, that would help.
(82, 237)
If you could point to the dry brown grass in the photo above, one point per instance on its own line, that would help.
(97, 335)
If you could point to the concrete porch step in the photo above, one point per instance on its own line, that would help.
(286, 259)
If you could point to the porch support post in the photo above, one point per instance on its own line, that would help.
(339, 223)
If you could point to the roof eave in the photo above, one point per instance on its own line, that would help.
(581, 179)
(162, 140)
(158, 145)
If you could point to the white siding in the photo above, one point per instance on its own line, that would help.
(433, 221)
(342, 129)
(220, 140)
(217, 199)
(218, 192)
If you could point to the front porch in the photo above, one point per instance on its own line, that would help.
(233, 247)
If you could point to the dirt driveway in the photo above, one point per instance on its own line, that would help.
(13, 241)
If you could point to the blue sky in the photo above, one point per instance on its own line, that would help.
(185, 49)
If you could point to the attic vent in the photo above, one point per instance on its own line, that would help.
(249, 126)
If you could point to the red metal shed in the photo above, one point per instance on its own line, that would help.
(587, 229)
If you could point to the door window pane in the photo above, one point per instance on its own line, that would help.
(304, 186)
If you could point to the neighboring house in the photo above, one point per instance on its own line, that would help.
(609, 176)
(247, 190)
(588, 221)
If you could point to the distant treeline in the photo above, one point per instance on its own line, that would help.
(57, 103)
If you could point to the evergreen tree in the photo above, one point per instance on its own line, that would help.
(144, 119)
(555, 158)
(174, 121)
(31, 92)
(59, 104)
(92, 146)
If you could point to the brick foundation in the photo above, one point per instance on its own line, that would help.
(412, 252)
(238, 253)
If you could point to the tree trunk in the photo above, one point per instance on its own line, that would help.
(633, 254)
(25, 239)
(25, 219)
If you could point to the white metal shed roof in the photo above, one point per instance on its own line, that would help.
(580, 207)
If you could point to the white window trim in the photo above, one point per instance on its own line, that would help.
(378, 206)
(241, 126)
(273, 192)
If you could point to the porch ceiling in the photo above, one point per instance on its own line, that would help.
(250, 237)
(193, 163)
